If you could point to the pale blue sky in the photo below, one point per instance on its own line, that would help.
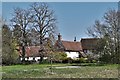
(59, 0)
(73, 17)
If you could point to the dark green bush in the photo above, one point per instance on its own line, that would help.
(83, 60)
(94, 61)
(76, 60)
(67, 60)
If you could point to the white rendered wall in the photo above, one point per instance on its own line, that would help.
(37, 58)
(30, 58)
(73, 55)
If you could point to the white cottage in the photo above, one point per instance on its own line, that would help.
(73, 49)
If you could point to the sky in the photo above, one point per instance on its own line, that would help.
(73, 17)
(59, 0)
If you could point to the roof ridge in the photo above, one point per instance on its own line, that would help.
(70, 41)
(89, 38)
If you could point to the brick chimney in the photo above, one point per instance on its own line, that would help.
(59, 37)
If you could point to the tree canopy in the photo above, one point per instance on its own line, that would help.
(33, 26)
(108, 30)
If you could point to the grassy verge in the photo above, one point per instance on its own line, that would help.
(44, 71)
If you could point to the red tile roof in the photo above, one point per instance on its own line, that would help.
(86, 43)
(31, 51)
(72, 46)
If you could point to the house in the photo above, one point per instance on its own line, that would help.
(73, 49)
(89, 44)
(33, 52)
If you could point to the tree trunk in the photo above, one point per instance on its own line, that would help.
(23, 53)
(41, 50)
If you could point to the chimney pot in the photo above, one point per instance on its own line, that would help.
(59, 37)
(75, 39)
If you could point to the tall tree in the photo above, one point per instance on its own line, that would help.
(9, 54)
(21, 18)
(44, 23)
(109, 31)
(34, 38)
(1, 22)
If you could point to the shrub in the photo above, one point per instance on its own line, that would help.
(67, 60)
(106, 58)
(76, 60)
(83, 60)
(94, 61)
(45, 61)
(57, 57)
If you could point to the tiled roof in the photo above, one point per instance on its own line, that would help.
(85, 43)
(72, 46)
(31, 51)
(89, 43)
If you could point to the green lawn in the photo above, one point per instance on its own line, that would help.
(43, 71)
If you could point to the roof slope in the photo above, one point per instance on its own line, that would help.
(72, 46)
(32, 51)
(89, 43)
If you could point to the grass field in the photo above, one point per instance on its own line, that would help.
(44, 71)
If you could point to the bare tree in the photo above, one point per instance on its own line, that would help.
(44, 23)
(21, 20)
(109, 31)
(34, 38)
